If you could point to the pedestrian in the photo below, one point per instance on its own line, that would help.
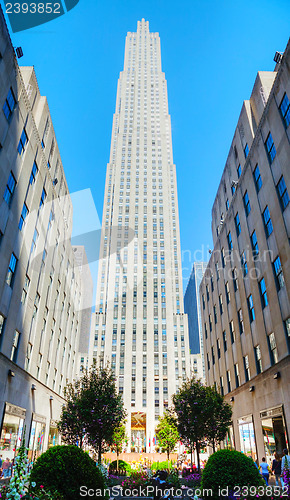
(1, 461)
(265, 470)
(276, 467)
(284, 464)
(6, 467)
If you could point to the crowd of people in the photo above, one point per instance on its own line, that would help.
(277, 467)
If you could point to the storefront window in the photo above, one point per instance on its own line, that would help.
(36, 440)
(274, 432)
(12, 429)
(247, 436)
(229, 441)
(54, 437)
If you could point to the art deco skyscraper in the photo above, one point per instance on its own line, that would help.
(140, 325)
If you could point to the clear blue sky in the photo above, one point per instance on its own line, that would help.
(211, 52)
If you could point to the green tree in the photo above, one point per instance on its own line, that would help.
(71, 425)
(166, 432)
(192, 413)
(119, 438)
(93, 411)
(219, 417)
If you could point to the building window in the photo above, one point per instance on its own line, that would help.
(215, 314)
(9, 104)
(213, 356)
(42, 199)
(228, 293)
(247, 368)
(235, 279)
(270, 148)
(221, 304)
(2, 325)
(285, 109)
(273, 348)
(232, 332)
(22, 142)
(23, 216)
(244, 263)
(227, 204)
(229, 380)
(247, 203)
(282, 193)
(254, 242)
(239, 171)
(263, 292)
(223, 257)
(222, 385)
(230, 241)
(251, 308)
(267, 222)
(241, 321)
(15, 346)
(34, 241)
(246, 150)
(218, 346)
(258, 178)
(9, 190)
(25, 289)
(225, 340)
(11, 270)
(278, 272)
(237, 375)
(33, 173)
(258, 359)
(238, 224)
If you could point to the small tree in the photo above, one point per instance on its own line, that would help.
(166, 432)
(119, 438)
(93, 410)
(191, 410)
(219, 417)
(71, 425)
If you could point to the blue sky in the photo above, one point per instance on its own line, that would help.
(211, 52)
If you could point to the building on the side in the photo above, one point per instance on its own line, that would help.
(40, 286)
(87, 286)
(139, 325)
(245, 290)
(193, 311)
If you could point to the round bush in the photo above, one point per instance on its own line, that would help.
(64, 469)
(123, 467)
(228, 469)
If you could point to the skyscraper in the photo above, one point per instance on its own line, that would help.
(192, 309)
(140, 325)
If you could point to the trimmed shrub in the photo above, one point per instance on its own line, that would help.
(123, 468)
(65, 469)
(230, 469)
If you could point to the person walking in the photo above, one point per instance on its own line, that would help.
(6, 468)
(276, 467)
(284, 463)
(265, 470)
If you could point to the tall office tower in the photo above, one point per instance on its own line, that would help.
(140, 326)
(193, 311)
(40, 283)
(245, 292)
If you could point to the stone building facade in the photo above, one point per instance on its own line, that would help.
(246, 288)
(40, 291)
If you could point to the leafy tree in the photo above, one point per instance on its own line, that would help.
(219, 417)
(166, 432)
(93, 410)
(191, 411)
(119, 438)
(71, 424)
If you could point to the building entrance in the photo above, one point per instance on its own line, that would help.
(138, 431)
(274, 431)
